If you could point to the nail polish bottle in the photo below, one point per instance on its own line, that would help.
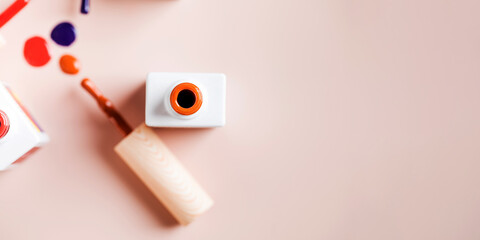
(187, 100)
(20, 135)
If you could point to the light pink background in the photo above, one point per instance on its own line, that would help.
(346, 119)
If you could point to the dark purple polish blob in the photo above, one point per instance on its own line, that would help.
(64, 34)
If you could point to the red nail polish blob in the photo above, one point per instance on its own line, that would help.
(36, 51)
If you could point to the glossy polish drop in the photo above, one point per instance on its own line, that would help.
(64, 34)
(69, 64)
(36, 51)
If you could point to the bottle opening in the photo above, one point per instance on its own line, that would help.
(186, 98)
(4, 124)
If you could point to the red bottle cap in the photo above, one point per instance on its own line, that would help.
(4, 124)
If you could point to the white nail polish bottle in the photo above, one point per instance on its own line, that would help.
(20, 135)
(185, 100)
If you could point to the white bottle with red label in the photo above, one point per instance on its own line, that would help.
(20, 135)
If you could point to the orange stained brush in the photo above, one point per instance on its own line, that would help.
(146, 154)
(107, 106)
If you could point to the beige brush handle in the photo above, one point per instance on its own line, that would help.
(164, 175)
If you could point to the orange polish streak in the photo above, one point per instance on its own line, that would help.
(69, 64)
(107, 106)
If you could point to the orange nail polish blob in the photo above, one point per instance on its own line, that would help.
(69, 64)
(186, 98)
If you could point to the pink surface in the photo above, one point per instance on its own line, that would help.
(346, 119)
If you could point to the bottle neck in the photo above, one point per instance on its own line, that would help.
(4, 124)
(186, 98)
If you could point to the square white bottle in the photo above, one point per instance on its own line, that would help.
(20, 135)
(185, 100)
